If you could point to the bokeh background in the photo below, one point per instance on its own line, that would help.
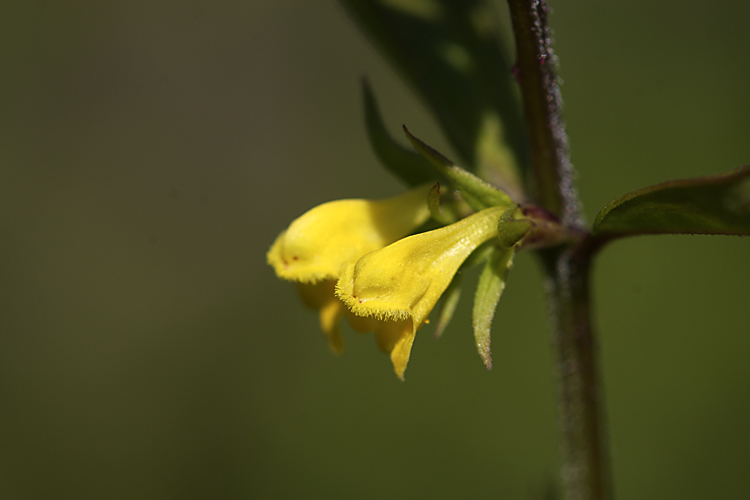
(151, 151)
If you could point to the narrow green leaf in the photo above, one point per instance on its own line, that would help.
(450, 52)
(718, 204)
(490, 288)
(449, 300)
(409, 165)
(478, 193)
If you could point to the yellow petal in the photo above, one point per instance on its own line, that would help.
(402, 352)
(396, 338)
(400, 284)
(320, 296)
(361, 324)
(388, 333)
(317, 244)
(330, 318)
(405, 280)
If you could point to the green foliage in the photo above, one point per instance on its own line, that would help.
(478, 193)
(449, 53)
(718, 204)
(490, 288)
(491, 284)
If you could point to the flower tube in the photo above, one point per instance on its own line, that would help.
(400, 284)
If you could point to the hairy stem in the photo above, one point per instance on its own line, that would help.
(585, 467)
(585, 464)
(551, 171)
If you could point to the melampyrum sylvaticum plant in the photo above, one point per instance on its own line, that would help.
(386, 264)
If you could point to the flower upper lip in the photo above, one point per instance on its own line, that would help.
(317, 244)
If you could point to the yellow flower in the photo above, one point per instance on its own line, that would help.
(317, 244)
(400, 284)
(315, 247)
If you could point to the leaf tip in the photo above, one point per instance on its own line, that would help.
(485, 353)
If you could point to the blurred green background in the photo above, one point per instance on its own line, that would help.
(151, 151)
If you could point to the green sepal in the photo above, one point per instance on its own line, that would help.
(410, 166)
(450, 52)
(478, 193)
(436, 210)
(489, 289)
(717, 204)
(512, 227)
(448, 306)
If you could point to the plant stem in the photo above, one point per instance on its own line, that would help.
(585, 463)
(551, 171)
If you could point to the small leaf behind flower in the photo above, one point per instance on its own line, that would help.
(450, 52)
(718, 204)
(478, 193)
